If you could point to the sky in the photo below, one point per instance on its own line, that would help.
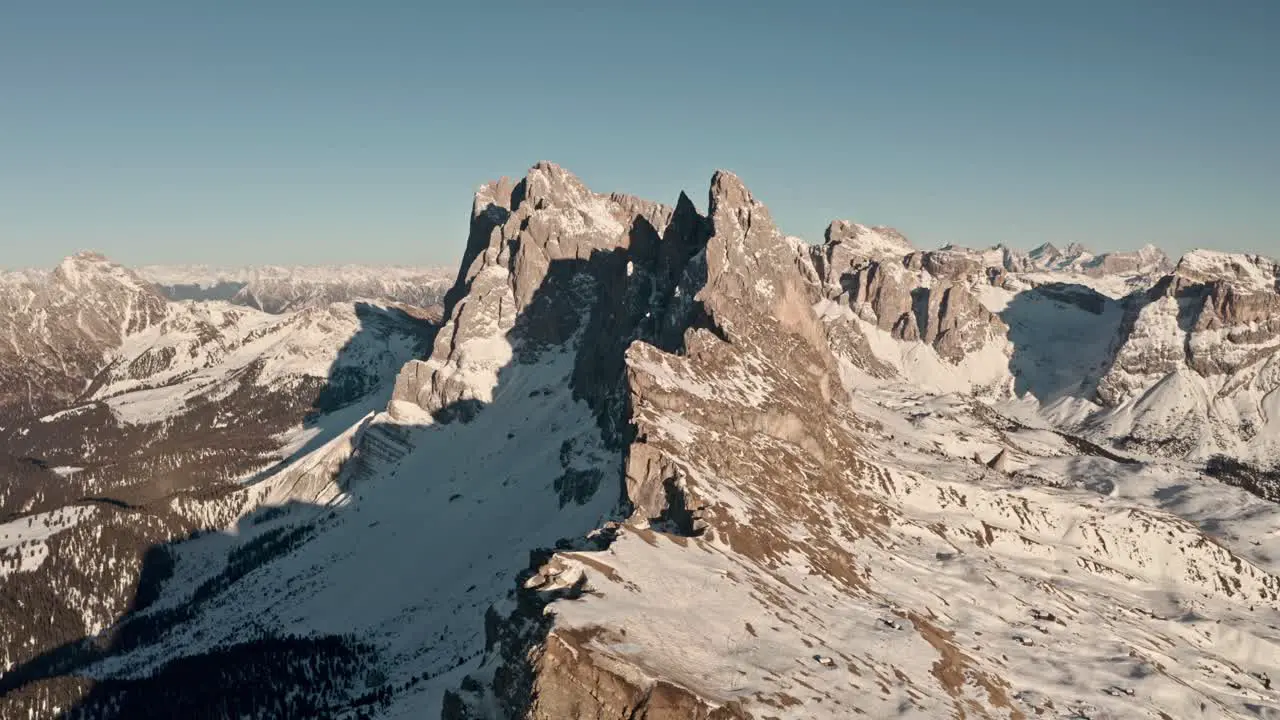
(244, 132)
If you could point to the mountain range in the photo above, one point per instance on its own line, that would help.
(645, 461)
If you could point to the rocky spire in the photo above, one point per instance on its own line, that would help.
(752, 269)
(548, 260)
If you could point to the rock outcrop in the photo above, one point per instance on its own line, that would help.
(914, 296)
(1000, 462)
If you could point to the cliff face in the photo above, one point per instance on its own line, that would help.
(1196, 366)
(914, 296)
(550, 264)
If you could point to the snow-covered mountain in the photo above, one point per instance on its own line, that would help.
(277, 289)
(122, 405)
(664, 463)
(1122, 348)
(56, 326)
(102, 369)
(1076, 258)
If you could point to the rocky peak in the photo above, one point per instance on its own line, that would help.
(563, 269)
(548, 184)
(1151, 251)
(111, 301)
(745, 248)
(92, 271)
(919, 296)
(753, 269)
(1228, 308)
(492, 195)
(86, 256)
(1216, 316)
(548, 260)
(949, 264)
(849, 249)
(746, 331)
(1148, 260)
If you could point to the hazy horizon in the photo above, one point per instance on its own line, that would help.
(256, 135)
(452, 263)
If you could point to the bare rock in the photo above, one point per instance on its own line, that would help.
(1000, 462)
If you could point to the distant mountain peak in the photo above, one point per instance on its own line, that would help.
(277, 289)
(1076, 249)
(1045, 253)
(93, 272)
(85, 259)
(871, 241)
(1247, 271)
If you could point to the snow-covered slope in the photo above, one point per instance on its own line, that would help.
(661, 463)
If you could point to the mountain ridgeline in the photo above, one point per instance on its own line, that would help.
(648, 462)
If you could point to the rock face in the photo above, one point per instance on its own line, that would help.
(1197, 367)
(956, 323)
(917, 296)
(549, 261)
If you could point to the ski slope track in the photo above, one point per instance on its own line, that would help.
(658, 462)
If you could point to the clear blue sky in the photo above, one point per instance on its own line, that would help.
(265, 131)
